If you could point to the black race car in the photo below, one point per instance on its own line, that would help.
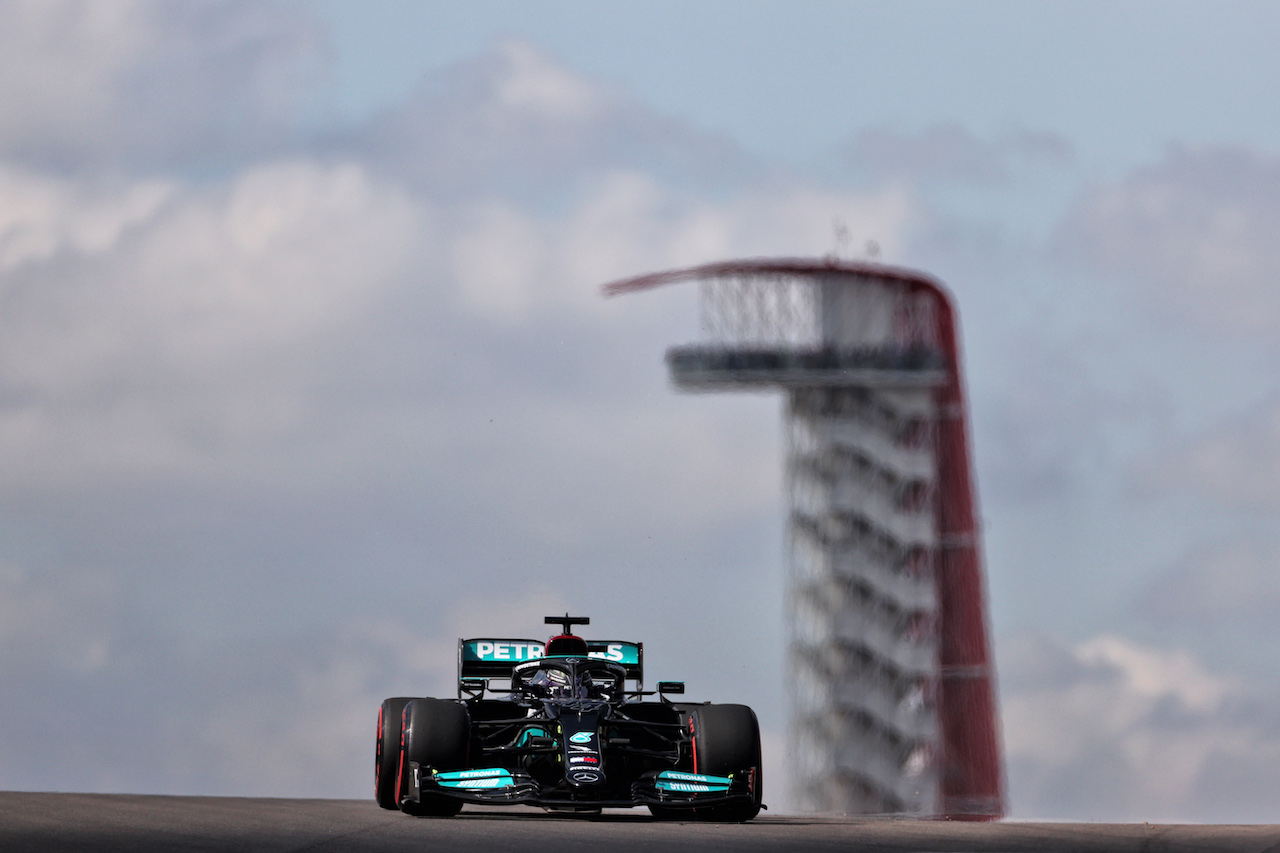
(561, 726)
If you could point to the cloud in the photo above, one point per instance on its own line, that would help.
(1059, 424)
(515, 123)
(163, 327)
(42, 215)
(1193, 234)
(216, 331)
(1111, 730)
(138, 83)
(64, 621)
(1224, 582)
(1229, 585)
(950, 152)
(311, 320)
(1234, 462)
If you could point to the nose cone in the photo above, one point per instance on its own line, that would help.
(583, 757)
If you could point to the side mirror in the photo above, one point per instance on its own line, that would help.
(670, 686)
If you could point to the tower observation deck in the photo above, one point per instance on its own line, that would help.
(892, 685)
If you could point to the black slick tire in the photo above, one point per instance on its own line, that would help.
(386, 779)
(726, 740)
(435, 734)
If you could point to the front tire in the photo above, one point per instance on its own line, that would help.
(436, 733)
(726, 740)
(386, 784)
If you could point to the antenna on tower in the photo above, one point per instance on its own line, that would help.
(840, 229)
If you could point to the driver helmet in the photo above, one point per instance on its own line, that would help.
(557, 683)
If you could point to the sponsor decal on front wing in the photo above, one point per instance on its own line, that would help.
(491, 778)
(692, 783)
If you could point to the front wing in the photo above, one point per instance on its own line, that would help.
(500, 786)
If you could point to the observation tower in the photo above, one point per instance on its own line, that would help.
(893, 707)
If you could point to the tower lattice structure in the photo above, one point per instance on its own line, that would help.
(893, 707)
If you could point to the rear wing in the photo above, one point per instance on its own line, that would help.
(492, 657)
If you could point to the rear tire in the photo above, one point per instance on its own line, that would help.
(435, 734)
(726, 739)
(386, 779)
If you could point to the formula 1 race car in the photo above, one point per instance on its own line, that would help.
(557, 726)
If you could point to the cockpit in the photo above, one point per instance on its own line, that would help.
(569, 678)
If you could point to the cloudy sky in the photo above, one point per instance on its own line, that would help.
(304, 370)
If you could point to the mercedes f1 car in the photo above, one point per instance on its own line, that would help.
(567, 726)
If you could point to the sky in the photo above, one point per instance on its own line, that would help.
(305, 371)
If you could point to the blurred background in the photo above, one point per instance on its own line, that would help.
(305, 373)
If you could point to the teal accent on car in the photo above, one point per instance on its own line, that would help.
(627, 654)
(532, 732)
(494, 777)
(692, 783)
(498, 650)
(518, 651)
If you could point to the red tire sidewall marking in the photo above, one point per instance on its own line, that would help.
(693, 738)
(377, 766)
(400, 763)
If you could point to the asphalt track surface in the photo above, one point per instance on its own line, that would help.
(122, 822)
